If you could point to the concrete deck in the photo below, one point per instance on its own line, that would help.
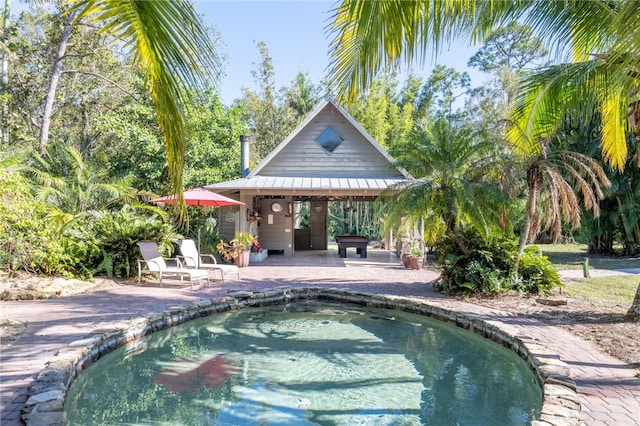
(608, 388)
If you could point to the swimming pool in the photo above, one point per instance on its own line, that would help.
(308, 362)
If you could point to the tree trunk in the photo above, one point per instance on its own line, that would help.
(459, 240)
(533, 183)
(53, 83)
(4, 123)
(634, 311)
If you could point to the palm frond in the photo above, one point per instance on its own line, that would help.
(569, 25)
(172, 46)
(614, 140)
(627, 40)
(588, 87)
(371, 36)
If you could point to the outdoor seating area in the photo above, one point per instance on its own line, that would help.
(192, 258)
(154, 263)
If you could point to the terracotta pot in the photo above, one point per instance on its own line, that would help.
(416, 262)
(405, 260)
(242, 260)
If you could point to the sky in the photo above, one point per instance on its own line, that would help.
(296, 37)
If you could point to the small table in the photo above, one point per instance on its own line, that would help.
(346, 241)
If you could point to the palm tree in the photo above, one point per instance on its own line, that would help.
(453, 187)
(171, 45)
(372, 36)
(634, 311)
(74, 188)
(555, 177)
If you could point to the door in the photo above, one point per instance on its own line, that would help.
(318, 225)
(310, 223)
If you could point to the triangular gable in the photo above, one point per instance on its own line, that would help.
(357, 155)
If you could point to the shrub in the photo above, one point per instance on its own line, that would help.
(111, 239)
(537, 272)
(487, 268)
(32, 239)
(29, 239)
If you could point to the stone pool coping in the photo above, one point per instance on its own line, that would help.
(46, 399)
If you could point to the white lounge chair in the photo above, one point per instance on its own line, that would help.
(190, 258)
(154, 262)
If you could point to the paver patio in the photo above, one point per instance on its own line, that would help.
(608, 388)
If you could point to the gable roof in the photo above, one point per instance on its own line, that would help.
(300, 155)
(358, 165)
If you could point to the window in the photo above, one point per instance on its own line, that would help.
(329, 139)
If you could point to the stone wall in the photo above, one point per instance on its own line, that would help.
(45, 405)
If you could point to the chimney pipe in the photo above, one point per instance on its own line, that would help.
(245, 140)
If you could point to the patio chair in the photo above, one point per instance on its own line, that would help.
(154, 262)
(189, 257)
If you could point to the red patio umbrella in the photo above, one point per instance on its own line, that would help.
(200, 197)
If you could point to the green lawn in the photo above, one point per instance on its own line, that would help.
(571, 256)
(614, 292)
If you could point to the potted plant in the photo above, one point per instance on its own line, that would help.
(416, 260)
(405, 256)
(237, 249)
(406, 259)
(257, 253)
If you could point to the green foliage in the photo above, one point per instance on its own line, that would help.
(444, 85)
(454, 185)
(619, 218)
(95, 236)
(513, 47)
(27, 240)
(109, 240)
(134, 146)
(132, 143)
(487, 268)
(538, 274)
(93, 83)
(213, 149)
(272, 117)
(354, 218)
(75, 186)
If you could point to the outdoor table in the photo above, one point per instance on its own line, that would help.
(356, 241)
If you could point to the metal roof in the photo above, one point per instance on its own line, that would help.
(281, 185)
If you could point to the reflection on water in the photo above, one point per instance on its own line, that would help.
(308, 363)
(211, 373)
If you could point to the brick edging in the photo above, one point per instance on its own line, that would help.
(46, 397)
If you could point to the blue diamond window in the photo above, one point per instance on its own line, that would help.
(329, 139)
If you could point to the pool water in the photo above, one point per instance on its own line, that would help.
(308, 364)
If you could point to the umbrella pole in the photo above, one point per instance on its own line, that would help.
(198, 247)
